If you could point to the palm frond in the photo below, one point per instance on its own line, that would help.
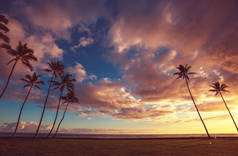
(3, 19)
(37, 87)
(4, 37)
(9, 62)
(27, 85)
(12, 52)
(27, 64)
(4, 28)
(40, 82)
(213, 90)
(47, 70)
(5, 46)
(25, 80)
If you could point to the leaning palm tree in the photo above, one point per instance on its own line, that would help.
(4, 29)
(31, 81)
(68, 99)
(183, 72)
(23, 54)
(218, 89)
(56, 68)
(65, 82)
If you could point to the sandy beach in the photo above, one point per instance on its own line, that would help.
(28, 146)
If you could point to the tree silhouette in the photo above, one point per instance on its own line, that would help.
(68, 99)
(4, 29)
(31, 81)
(56, 68)
(218, 89)
(183, 72)
(65, 82)
(23, 54)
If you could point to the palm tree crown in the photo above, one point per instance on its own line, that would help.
(184, 72)
(70, 97)
(217, 87)
(22, 53)
(55, 67)
(32, 80)
(66, 82)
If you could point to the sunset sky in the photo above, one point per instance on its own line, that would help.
(123, 54)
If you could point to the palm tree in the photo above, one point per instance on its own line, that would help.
(4, 28)
(31, 81)
(68, 99)
(56, 68)
(183, 72)
(219, 88)
(23, 54)
(65, 82)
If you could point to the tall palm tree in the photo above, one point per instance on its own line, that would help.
(31, 81)
(68, 99)
(183, 72)
(65, 82)
(4, 28)
(56, 68)
(218, 89)
(23, 54)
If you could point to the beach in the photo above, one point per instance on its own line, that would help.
(60, 146)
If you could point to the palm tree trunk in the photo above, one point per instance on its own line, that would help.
(44, 107)
(61, 119)
(197, 108)
(19, 116)
(8, 80)
(229, 111)
(56, 115)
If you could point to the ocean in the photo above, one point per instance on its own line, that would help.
(121, 136)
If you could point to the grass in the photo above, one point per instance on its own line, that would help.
(81, 147)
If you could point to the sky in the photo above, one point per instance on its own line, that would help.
(123, 55)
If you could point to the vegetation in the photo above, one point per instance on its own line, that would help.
(21, 54)
(218, 89)
(4, 29)
(68, 99)
(31, 81)
(56, 68)
(64, 83)
(183, 72)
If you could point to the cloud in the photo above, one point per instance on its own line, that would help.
(83, 42)
(43, 45)
(59, 17)
(30, 126)
(80, 73)
(152, 38)
(88, 118)
(110, 97)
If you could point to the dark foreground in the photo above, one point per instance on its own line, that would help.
(26, 146)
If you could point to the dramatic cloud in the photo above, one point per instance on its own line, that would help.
(145, 42)
(59, 17)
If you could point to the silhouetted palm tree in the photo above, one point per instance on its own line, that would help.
(65, 82)
(22, 54)
(184, 74)
(219, 88)
(4, 28)
(68, 99)
(56, 68)
(31, 81)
